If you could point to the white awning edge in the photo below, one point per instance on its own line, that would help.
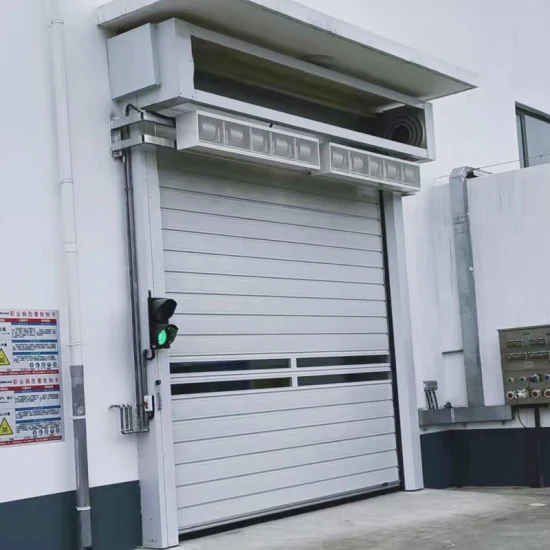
(291, 27)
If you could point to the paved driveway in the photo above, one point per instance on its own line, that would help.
(475, 519)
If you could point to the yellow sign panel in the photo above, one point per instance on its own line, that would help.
(5, 428)
(4, 361)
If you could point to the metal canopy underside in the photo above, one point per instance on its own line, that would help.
(294, 29)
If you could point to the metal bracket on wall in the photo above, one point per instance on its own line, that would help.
(142, 128)
(127, 420)
(464, 415)
(430, 390)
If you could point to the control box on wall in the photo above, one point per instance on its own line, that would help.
(525, 359)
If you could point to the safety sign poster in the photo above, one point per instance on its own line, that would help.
(30, 377)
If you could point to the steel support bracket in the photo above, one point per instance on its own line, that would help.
(141, 128)
(127, 420)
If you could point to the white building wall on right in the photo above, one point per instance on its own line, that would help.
(510, 226)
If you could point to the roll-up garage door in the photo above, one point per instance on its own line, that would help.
(281, 381)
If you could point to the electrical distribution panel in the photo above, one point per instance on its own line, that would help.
(525, 357)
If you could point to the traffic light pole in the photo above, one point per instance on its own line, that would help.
(157, 469)
(125, 135)
(140, 374)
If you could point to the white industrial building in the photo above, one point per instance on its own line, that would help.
(345, 199)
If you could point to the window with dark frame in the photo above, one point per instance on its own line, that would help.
(279, 380)
(533, 137)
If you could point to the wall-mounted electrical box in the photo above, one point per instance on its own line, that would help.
(525, 358)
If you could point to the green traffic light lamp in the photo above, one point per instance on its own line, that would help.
(162, 333)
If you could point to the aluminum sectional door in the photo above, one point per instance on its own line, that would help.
(281, 382)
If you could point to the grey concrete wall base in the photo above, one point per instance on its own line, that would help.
(116, 520)
(464, 415)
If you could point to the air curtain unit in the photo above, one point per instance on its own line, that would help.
(362, 167)
(226, 137)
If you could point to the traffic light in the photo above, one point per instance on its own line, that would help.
(161, 332)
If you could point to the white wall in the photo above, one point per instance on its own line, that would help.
(510, 228)
(30, 229)
(435, 312)
(506, 45)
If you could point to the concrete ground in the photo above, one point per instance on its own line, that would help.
(473, 519)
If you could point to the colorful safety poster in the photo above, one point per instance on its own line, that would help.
(30, 377)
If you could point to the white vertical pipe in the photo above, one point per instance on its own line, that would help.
(70, 249)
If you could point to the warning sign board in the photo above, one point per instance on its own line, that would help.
(5, 428)
(4, 361)
(30, 377)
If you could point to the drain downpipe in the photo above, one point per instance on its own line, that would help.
(70, 249)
